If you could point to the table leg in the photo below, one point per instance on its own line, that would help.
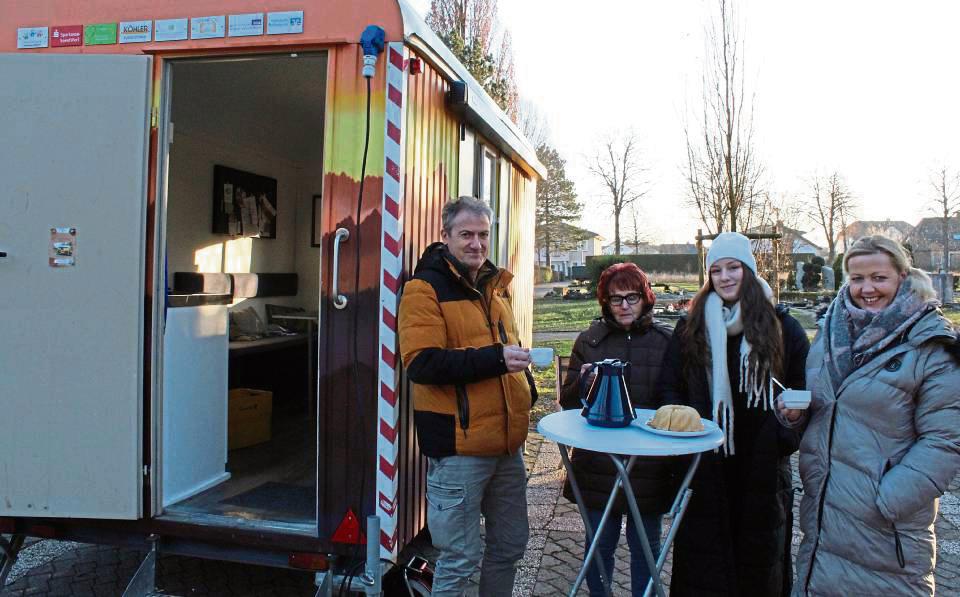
(624, 474)
(680, 503)
(592, 536)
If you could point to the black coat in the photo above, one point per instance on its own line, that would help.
(735, 536)
(643, 347)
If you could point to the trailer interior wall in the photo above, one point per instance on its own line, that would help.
(263, 116)
(260, 114)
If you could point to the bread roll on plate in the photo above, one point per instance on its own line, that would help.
(676, 417)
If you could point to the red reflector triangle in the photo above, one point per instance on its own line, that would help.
(349, 530)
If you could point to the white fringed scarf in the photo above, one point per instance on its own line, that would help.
(755, 380)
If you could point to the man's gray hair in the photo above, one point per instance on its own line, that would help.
(463, 203)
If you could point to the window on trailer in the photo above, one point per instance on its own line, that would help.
(238, 396)
(486, 189)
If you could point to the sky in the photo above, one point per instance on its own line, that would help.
(866, 89)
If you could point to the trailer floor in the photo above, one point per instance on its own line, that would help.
(270, 482)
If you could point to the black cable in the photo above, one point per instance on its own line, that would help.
(356, 314)
(344, 581)
(347, 580)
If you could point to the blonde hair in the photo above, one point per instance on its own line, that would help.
(878, 243)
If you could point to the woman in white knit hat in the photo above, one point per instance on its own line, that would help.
(735, 537)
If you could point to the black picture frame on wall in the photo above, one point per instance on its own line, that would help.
(316, 234)
(244, 203)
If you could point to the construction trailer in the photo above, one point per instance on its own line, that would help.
(181, 176)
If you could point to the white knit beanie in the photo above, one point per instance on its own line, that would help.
(731, 245)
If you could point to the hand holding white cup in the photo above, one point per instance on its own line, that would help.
(541, 356)
(516, 358)
(792, 403)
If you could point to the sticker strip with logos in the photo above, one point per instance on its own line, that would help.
(144, 31)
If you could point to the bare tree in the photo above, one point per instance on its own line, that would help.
(533, 123)
(946, 205)
(638, 236)
(618, 165)
(831, 203)
(472, 32)
(722, 170)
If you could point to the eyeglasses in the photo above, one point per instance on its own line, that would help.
(617, 299)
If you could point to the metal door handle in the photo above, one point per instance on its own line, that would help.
(339, 301)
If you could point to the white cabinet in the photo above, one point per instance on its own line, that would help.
(194, 407)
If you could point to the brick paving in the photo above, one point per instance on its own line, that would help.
(551, 563)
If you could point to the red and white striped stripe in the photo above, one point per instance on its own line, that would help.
(391, 264)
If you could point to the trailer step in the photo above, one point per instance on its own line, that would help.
(144, 582)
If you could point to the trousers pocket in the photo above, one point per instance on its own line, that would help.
(444, 498)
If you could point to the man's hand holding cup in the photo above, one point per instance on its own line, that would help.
(516, 358)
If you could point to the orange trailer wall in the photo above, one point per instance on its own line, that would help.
(324, 22)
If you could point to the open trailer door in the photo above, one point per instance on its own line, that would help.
(73, 172)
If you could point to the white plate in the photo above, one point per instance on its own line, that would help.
(646, 427)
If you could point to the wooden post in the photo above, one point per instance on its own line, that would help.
(777, 258)
(700, 254)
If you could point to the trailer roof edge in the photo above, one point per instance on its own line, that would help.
(505, 133)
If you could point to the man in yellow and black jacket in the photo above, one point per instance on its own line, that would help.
(472, 393)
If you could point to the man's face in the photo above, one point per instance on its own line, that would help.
(468, 239)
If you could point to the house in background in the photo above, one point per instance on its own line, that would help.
(926, 242)
(795, 242)
(590, 244)
(898, 230)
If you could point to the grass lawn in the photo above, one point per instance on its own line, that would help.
(546, 379)
(953, 316)
(557, 315)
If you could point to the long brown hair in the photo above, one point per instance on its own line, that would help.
(761, 327)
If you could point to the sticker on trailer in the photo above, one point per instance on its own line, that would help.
(66, 35)
(100, 34)
(136, 32)
(207, 27)
(283, 23)
(171, 30)
(32, 37)
(63, 247)
(245, 25)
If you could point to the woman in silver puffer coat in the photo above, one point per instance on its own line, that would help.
(883, 439)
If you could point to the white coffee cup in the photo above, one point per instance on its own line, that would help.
(796, 399)
(541, 356)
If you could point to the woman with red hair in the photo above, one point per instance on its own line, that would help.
(627, 331)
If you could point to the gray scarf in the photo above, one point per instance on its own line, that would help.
(855, 335)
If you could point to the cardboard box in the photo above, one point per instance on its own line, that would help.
(248, 417)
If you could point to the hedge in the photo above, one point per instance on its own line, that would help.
(682, 263)
(649, 263)
(542, 274)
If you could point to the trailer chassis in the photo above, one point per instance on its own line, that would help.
(9, 551)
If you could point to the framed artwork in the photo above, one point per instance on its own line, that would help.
(244, 204)
(316, 233)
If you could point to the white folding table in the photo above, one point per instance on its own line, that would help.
(623, 446)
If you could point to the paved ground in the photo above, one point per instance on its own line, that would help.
(553, 556)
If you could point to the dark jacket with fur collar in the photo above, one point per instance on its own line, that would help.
(643, 347)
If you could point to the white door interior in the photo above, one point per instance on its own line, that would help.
(73, 161)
